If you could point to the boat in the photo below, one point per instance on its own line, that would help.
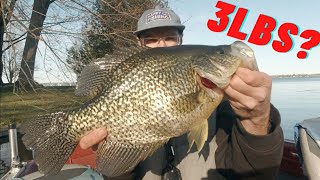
(307, 140)
(301, 157)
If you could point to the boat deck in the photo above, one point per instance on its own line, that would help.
(290, 165)
(287, 176)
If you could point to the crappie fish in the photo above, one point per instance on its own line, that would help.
(143, 98)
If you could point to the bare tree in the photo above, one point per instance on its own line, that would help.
(110, 27)
(40, 8)
(95, 26)
(5, 15)
(10, 66)
(12, 53)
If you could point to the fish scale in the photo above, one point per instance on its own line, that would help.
(144, 98)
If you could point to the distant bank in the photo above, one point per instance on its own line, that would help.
(296, 75)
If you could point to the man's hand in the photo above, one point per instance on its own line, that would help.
(249, 96)
(93, 138)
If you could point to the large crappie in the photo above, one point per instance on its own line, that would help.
(143, 98)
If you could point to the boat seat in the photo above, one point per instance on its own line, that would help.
(307, 139)
(68, 172)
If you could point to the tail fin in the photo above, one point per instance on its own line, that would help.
(48, 136)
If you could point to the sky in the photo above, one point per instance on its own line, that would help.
(304, 13)
(195, 14)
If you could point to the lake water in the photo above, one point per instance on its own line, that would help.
(297, 99)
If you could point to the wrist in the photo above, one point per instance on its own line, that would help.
(257, 126)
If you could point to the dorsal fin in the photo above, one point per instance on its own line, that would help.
(90, 81)
(129, 51)
(92, 78)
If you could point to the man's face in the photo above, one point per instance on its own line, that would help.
(160, 37)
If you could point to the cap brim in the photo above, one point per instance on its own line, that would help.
(179, 27)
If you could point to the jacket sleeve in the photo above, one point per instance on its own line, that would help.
(241, 155)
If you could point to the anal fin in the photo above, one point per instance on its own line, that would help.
(115, 157)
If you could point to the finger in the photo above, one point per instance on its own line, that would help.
(239, 109)
(248, 102)
(93, 137)
(253, 78)
(258, 93)
(236, 105)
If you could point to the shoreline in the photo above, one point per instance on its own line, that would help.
(296, 76)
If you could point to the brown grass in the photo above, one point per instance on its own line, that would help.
(19, 107)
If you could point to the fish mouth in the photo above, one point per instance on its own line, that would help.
(208, 86)
(209, 81)
(212, 85)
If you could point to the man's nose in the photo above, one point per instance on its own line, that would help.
(162, 43)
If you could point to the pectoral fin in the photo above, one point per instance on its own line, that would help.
(199, 135)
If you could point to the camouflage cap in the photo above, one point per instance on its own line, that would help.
(158, 17)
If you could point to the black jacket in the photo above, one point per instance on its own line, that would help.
(229, 153)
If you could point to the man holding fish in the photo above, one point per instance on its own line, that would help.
(244, 137)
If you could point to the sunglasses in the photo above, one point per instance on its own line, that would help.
(152, 41)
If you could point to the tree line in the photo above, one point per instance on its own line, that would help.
(94, 28)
